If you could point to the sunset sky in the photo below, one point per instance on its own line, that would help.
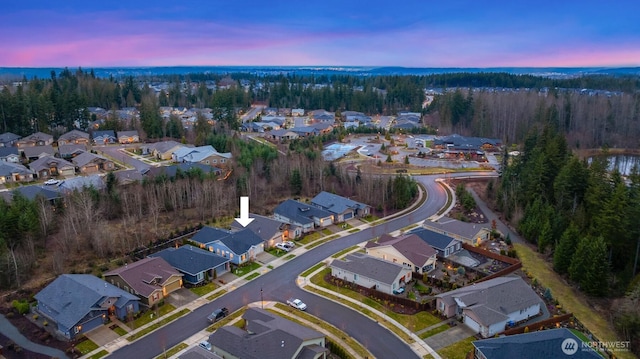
(409, 33)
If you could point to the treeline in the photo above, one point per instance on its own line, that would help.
(91, 225)
(580, 213)
(586, 121)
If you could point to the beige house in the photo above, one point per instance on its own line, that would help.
(152, 279)
(408, 250)
(128, 137)
(36, 139)
(74, 137)
(88, 163)
(48, 166)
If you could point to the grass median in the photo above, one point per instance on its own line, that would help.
(157, 325)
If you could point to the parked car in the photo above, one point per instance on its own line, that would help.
(296, 303)
(51, 182)
(218, 314)
(290, 244)
(283, 247)
(205, 345)
(398, 291)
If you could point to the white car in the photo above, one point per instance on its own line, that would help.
(290, 244)
(51, 182)
(283, 246)
(296, 303)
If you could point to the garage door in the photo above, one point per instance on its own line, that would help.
(348, 215)
(472, 324)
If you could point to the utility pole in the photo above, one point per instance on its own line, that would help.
(261, 300)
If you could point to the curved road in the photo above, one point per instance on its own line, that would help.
(279, 284)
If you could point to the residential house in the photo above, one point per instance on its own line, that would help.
(8, 139)
(71, 151)
(268, 336)
(488, 307)
(277, 120)
(104, 137)
(297, 112)
(206, 155)
(74, 304)
(36, 139)
(198, 352)
(197, 265)
(35, 152)
(408, 249)
(32, 193)
(9, 154)
(304, 216)
(445, 245)
(128, 137)
(283, 135)
(342, 208)
(304, 131)
(88, 163)
(49, 166)
(78, 183)
(184, 168)
(270, 230)
(472, 233)
(457, 143)
(74, 137)
(151, 279)
(14, 172)
(322, 127)
(550, 343)
(240, 247)
(371, 272)
(162, 150)
(323, 116)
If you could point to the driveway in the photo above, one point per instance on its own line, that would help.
(181, 297)
(449, 336)
(102, 335)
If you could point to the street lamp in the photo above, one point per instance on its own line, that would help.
(261, 300)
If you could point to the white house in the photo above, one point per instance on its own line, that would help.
(371, 272)
(408, 250)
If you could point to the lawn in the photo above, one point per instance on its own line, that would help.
(99, 354)
(312, 269)
(205, 289)
(86, 346)
(325, 240)
(458, 350)
(289, 257)
(572, 300)
(120, 331)
(157, 325)
(149, 316)
(216, 294)
(253, 275)
(326, 231)
(276, 252)
(345, 251)
(311, 237)
(244, 270)
(434, 331)
(226, 320)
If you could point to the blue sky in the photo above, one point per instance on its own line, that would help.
(338, 33)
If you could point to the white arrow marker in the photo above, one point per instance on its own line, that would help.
(244, 219)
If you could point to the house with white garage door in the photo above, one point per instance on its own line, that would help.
(488, 307)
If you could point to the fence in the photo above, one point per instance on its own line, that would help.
(142, 253)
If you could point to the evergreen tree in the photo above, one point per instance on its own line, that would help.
(566, 248)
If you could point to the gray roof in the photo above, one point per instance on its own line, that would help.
(9, 168)
(86, 158)
(68, 150)
(38, 136)
(8, 137)
(32, 192)
(492, 300)
(47, 161)
(456, 141)
(369, 267)
(127, 133)
(191, 260)
(6, 151)
(238, 242)
(535, 345)
(273, 337)
(198, 353)
(80, 182)
(73, 135)
(172, 170)
(103, 133)
(70, 297)
(434, 239)
(411, 246)
(36, 151)
(164, 146)
(335, 204)
(146, 275)
(263, 227)
(463, 229)
(300, 212)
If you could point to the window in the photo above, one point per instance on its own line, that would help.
(215, 161)
(223, 160)
(355, 277)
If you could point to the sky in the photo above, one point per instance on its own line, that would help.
(406, 33)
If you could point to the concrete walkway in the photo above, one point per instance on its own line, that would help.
(7, 329)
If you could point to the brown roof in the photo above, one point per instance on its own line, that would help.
(409, 245)
(145, 276)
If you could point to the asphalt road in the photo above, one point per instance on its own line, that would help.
(115, 152)
(279, 284)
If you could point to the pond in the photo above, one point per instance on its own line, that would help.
(623, 163)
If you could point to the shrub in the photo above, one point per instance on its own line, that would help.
(21, 306)
(45, 323)
(36, 316)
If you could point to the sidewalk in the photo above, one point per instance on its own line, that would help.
(419, 347)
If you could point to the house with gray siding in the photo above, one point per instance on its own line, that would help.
(304, 216)
(445, 245)
(270, 230)
(371, 272)
(342, 208)
(488, 307)
(239, 247)
(268, 336)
